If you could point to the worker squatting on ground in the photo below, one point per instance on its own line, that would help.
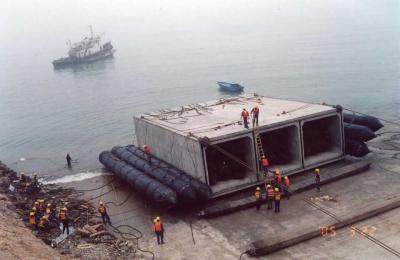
(69, 160)
(147, 152)
(245, 116)
(257, 195)
(270, 196)
(277, 200)
(159, 230)
(286, 187)
(103, 212)
(63, 217)
(254, 114)
(317, 179)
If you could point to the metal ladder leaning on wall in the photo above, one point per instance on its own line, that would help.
(260, 152)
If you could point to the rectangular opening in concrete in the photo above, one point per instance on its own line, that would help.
(282, 148)
(322, 139)
(225, 172)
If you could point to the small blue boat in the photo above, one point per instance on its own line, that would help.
(232, 87)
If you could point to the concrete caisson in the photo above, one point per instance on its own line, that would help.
(295, 136)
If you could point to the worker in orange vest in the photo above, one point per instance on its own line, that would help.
(159, 230)
(270, 196)
(104, 215)
(254, 113)
(147, 152)
(63, 217)
(317, 179)
(286, 186)
(257, 195)
(245, 116)
(277, 200)
(265, 164)
(278, 178)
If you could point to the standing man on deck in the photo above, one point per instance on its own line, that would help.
(68, 160)
(277, 200)
(254, 113)
(286, 186)
(257, 195)
(270, 196)
(245, 116)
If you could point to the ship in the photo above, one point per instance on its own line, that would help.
(90, 49)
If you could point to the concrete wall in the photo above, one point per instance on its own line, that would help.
(180, 151)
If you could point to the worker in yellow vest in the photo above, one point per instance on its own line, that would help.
(103, 212)
(43, 224)
(32, 219)
(159, 230)
(257, 195)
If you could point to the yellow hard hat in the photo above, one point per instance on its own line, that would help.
(32, 214)
(276, 189)
(158, 218)
(34, 209)
(44, 217)
(268, 186)
(258, 188)
(317, 170)
(64, 209)
(285, 177)
(41, 201)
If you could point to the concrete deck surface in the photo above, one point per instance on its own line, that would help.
(228, 236)
(218, 118)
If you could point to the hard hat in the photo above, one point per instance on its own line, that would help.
(48, 204)
(263, 156)
(317, 170)
(285, 177)
(34, 209)
(41, 201)
(276, 189)
(258, 188)
(101, 203)
(36, 202)
(22, 173)
(158, 218)
(64, 209)
(277, 171)
(32, 214)
(144, 146)
(268, 186)
(34, 174)
(44, 217)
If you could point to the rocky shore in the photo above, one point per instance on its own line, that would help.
(88, 238)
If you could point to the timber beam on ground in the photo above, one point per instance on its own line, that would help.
(227, 207)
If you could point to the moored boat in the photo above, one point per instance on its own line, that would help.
(231, 87)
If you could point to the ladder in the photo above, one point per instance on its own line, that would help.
(260, 149)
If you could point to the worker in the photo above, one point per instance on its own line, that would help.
(32, 219)
(265, 164)
(41, 205)
(35, 182)
(63, 217)
(49, 212)
(245, 116)
(159, 230)
(270, 196)
(147, 152)
(286, 186)
(278, 178)
(277, 200)
(22, 178)
(257, 195)
(254, 113)
(69, 159)
(104, 215)
(43, 224)
(317, 179)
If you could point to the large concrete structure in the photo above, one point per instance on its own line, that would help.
(295, 136)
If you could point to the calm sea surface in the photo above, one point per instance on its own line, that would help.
(171, 53)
